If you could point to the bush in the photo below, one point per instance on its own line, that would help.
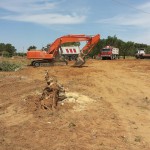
(6, 54)
(7, 66)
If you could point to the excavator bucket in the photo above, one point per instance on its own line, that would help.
(79, 62)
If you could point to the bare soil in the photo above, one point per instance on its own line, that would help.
(108, 108)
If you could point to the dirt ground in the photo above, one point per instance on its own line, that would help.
(108, 108)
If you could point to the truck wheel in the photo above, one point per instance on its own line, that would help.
(36, 64)
(141, 57)
(112, 57)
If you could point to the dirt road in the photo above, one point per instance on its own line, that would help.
(108, 108)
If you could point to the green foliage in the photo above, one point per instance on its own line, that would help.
(6, 54)
(7, 50)
(31, 47)
(71, 44)
(7, 66)
(21, 54)
(96, 50)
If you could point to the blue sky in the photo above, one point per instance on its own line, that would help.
(38, 22)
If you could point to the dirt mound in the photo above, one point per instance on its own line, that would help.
(74, 101)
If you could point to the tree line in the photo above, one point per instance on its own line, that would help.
(7, 50)
(126, 48)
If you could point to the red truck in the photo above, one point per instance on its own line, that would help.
(109, 52)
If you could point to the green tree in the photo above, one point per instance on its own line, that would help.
(7, 49)
(96, 49)
(148, 49)
(71, 44)
(5, 54)
(112, 41)
(21, 54)
(10, 49)
(31, 47)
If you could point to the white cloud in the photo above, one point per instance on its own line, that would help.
(21, 6)
(140, 21)
(140, 18)
(48, 18)
(145, 7)
(40, 12)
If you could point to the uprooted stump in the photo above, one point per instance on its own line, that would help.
(53, 93)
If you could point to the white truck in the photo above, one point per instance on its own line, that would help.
(141, 54)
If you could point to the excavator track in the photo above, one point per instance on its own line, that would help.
(40, 63)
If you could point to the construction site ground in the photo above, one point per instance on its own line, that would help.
(108, 107)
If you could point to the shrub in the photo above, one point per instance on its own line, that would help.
(7, 66)
(6, 54)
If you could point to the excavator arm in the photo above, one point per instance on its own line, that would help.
(86, 50)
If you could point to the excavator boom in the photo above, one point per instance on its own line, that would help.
(73, 38)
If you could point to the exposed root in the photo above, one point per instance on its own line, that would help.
(53, 93)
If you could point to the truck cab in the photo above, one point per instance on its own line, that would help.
(140, 53)
(109, 52)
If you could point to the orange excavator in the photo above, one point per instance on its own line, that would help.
(53, 55)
